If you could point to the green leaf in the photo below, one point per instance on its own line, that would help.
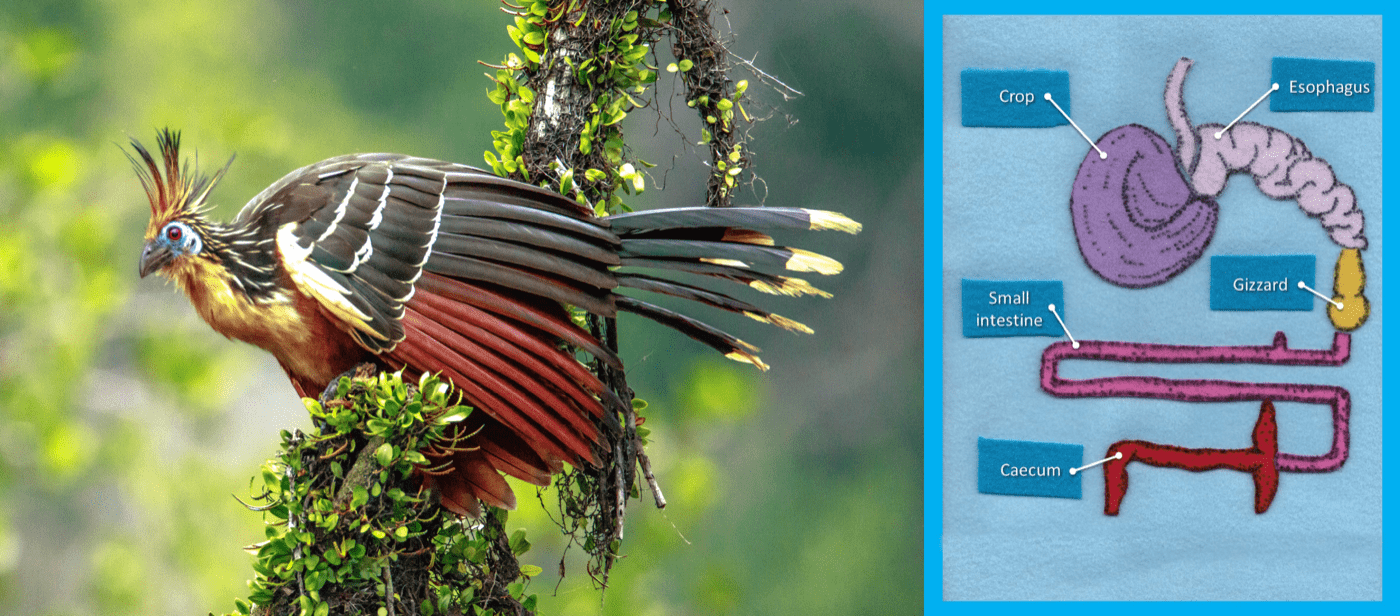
(377, 426)
(384, 455)
(518, 543)
(359, 498)
(566, 181)
(455, 415)
(530, 570)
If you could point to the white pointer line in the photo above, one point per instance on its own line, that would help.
(1062, 326)
(1116, 456)
(1246, 112)
(1102, 154)
(1324, 297)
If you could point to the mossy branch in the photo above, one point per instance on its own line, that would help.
(704, 68)
(351, 528)
(581, 68)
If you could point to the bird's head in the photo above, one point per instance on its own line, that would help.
(178, 235)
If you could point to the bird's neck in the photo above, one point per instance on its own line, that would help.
(234, 286)
(249, 255)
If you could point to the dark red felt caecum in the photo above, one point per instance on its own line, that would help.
(1259, 460)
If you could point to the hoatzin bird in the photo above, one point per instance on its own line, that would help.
(430, 266)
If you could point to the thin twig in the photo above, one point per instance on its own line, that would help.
(389, 589)
(621, 490)
(292, 525)
(630, 415)
(266, 507)
(782, 88)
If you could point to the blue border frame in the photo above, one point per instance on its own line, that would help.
(933, 299)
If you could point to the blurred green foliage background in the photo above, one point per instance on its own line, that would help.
(126, 423)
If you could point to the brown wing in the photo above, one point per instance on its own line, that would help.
(442, 268)
(364, 236)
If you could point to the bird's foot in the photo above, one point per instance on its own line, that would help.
(360, 371)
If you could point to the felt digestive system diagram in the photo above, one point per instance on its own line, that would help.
(1144, 211)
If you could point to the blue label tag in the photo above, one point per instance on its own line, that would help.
(1027, 468)
(1012, 308)
(1262, 282)
(1014, 98)
(1323, 85)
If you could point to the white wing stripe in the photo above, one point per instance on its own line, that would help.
(432, 239)
(340, 209)
(378, 214)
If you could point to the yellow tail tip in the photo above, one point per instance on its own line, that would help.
(747, 358)
(822, 220)
(808, 261)
(791, 287)
(780, 321)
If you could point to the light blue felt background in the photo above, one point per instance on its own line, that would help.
(1181, 535)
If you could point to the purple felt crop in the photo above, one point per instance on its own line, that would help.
(1137, 221)
(1140, 221)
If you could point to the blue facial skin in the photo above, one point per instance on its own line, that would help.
(180, 239)
(175, 240)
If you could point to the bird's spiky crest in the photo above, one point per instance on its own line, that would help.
(179, 192)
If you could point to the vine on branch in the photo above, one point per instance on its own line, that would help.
(704, 68)
(581, 68)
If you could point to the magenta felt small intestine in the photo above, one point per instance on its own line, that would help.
(1139, 222)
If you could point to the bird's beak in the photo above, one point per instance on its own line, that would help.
(154, 257)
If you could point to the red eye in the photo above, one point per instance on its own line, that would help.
(174, 233)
